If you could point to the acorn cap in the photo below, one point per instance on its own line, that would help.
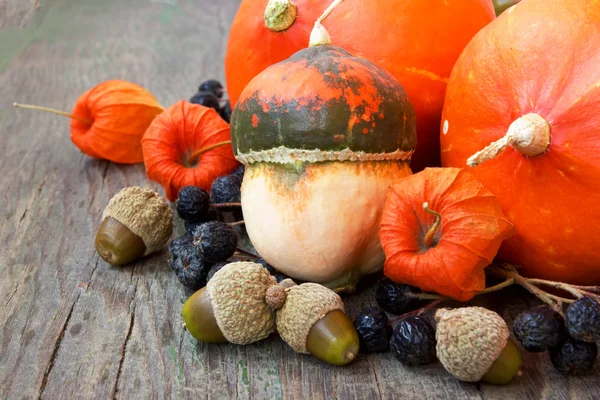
(237, 295)
(305, 305)
(145, 213)
(469, 340)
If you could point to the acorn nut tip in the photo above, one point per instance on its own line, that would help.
(136, 222)
(473, 344)
(312, 321)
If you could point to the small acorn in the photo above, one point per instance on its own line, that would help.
(312, 321)
(136, 222)
(473, 344)
(233, 306)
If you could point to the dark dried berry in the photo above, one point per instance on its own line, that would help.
(395, 298)
(373, 330)
(573, 357)
(583, 319)
(216, 267)
(215, 241)
(179, 243)
(192, 204)
(239, 172)
(226, 189)
(213, 86)
(539, 329)
(188, 265)
(225, 112)
(413, 341)
(206, 99)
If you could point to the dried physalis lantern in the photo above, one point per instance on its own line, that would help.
(440, 229)
(109, 120)
(188, 144)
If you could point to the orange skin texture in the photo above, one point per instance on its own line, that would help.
(540, 56)
(471, 231)
(174, 135)
(120, 113)
(417, 41)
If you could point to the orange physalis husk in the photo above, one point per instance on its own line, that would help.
(119, 112)
(109, 120)
(177, 133)
(448, 259)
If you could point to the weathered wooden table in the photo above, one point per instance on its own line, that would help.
(75, 327)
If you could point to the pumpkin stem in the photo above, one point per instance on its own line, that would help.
(192, 158)
(319, 34)
(53, 111)
(529, 134)
(428, 240)
(279, 15)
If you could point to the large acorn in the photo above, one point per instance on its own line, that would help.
(312, 321)
(233, 307)
(473, 344)
(322, 135)
(136, 222)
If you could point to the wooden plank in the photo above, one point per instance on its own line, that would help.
(74, 327)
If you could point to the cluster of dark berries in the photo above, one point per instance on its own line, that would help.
(194, 256)
(207, 243)
(412, 340)
(209, 95)
(571, 342)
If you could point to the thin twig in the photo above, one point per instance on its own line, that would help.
(237, 223)
(225, 205)
(246, 253)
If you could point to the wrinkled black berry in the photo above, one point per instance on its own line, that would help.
(373, 330)
(226, 189)
(206, 99)
(583, 319)
(188, 265)
(413, 341)
(395, 297)
(539, 329)
(215, 241)
(212, 214)
(225, 112)
(213, 270)
(239, 172)
(573, 357)
(192, 204)
(213, 86)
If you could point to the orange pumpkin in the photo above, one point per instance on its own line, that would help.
(417, 41)
(440, 228)
(534, 73)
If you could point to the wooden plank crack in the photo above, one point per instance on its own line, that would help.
(132, 305)
(61, 336)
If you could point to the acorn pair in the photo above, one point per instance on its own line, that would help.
(243, 304)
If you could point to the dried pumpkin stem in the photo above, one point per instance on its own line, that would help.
(225, 205)
(428, 240)
(53, 111)
(192, 158)
(529, 134)
(319, 35)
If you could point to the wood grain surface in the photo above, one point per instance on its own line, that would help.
(74, 327)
